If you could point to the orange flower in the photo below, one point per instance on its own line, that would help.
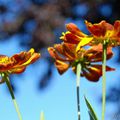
(65, 56)
(74, 35)
(18, 62)
(99, 32)
(102, 31)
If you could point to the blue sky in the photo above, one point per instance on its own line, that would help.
(58, 100)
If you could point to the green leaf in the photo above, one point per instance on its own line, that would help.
(42, 116)
(91, 112)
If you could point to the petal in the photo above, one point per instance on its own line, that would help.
(117, 27)
(19, 58)
(59, 48)
(71, 38)
(17, 70)
(5, 67)
(62, 52)
(61, 66)
(94, 53)
(75, 30)
(22, 57)
(69, 50)
(31, 60)
(91, 76)
(94, 72)
(99, 29)
(31, 51)
(25, 58)
(84, 41)
(53, 53)
(100, 67)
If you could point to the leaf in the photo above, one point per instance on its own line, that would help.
(42, 116)
(91, 112)
(91, 118)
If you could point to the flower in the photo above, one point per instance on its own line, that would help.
(74, 35)
(101, 32)
(65, 56)
(18, 62)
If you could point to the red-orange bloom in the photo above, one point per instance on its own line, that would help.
(65, 56)
(100, 32)
(74, 35)
(103, 31)
(18, 62)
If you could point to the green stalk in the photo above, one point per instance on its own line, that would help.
(104, 79)
(6, 79)
(78, 87)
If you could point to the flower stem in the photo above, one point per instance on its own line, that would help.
(104, 79)
(6, 78)
(78, 87)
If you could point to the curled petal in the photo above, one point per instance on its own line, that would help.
(69, 50)
(91, 75)
(54, 53)
(32, 59)
(61, 66)
(59, 48)
(84, 41)
(94, 72)
(117, 27)
(62, 52)
(75, 30)
(94, 53)
(100, 67)
(99, 29)
(19, 58)
(71, 38)
(25, 57)
(17, 70)
(96, 29)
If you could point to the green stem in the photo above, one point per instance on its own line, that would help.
(78, 87)
(104, 79)
(6, 79)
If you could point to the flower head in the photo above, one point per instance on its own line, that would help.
(74, 35)
(65, 56)
(101, 32)
(18, 62)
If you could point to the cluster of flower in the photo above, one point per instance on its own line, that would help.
(73, 51)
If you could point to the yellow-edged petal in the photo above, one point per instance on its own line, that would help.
(84, 41)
